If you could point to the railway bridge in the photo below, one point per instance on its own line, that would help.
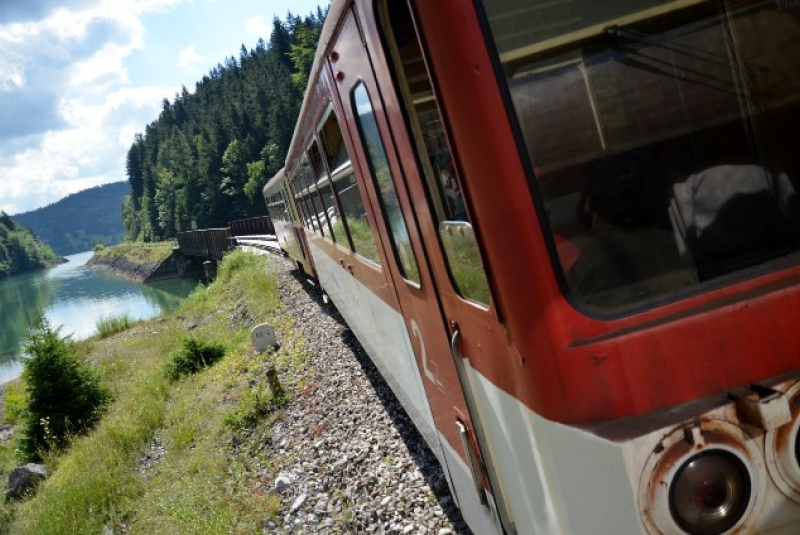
(209, 246)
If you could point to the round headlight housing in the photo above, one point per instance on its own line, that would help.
(704, 478)
(710, 493)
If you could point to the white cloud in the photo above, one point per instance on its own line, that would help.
(74, 114)
(89, 152)
(12, 77)
(190, 59)
(258, 26)
(103, 69)
(12, 61)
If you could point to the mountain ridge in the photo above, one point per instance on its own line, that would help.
(80, 220)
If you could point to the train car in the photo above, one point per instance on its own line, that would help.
(284, 216)
(567, 234)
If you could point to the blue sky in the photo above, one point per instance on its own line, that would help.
(79, 78)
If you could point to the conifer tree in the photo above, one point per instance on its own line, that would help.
(210, 151)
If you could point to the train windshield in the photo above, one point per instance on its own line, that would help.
(662, 137)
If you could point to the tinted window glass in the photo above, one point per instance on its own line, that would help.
(662, 136)
(307, 183)
(438, 171)
(390, 206)
(296, 187)
(324, 188)
(355, 221)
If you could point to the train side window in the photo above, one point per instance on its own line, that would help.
(291, 215)
(382, 178)
(273, 208)
(355, 222)
(324, 189)
(438, 170)
(309, 192)
(300, 202)
(277, 210)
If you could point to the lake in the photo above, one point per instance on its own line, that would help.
(76, 297)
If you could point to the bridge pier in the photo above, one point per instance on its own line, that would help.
(180, 261)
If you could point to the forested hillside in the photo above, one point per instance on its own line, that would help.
(20, 251)
(77, 222)
(210, 152)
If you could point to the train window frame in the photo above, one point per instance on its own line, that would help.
(330, 117)
(309, 185)
(344, 240)
(323, 177)
(472, 284)
(291, 183)
(285, 193)
(274, 203)
(407, 265)
(704, 286)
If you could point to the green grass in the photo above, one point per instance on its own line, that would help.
(465, 265)
(111, 325)
(139, 252)
(213, 424)
(16, 399)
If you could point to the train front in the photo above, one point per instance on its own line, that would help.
(632, 171)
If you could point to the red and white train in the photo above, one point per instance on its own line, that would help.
(567, 234)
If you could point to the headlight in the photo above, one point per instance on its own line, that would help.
(710, 493)
(705, 478)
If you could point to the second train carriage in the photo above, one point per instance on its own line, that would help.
(289, 232)
(567, 234)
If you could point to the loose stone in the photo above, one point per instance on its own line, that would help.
(348, 456)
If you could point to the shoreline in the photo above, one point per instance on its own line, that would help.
(140, 272)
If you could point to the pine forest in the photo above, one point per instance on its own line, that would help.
(204, 161)
(20, 250)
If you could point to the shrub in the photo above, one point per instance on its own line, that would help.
(108, 326)
(192, 357)
(65, 396)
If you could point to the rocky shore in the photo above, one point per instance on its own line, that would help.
(135, 270)
(350, 458)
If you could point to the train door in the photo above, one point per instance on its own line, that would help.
(414, 283)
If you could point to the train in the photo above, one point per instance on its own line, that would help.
(566, 232)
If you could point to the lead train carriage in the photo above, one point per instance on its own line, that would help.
(566, 233)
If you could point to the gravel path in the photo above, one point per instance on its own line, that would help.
(353, 460)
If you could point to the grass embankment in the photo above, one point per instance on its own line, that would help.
(174, 453)
(111, 325)
(138, 252)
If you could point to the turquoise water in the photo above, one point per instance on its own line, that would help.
(75, 297)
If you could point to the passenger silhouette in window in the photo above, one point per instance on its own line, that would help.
(624, 257)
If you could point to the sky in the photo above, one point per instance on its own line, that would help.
(79, 78)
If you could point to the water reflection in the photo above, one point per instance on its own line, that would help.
(20, 297)
(76, 297)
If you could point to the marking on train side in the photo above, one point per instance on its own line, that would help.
(431, 376)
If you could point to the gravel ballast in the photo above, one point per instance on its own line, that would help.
(350, 459)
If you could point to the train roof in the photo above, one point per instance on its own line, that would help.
(332, 21)
(270, 185)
